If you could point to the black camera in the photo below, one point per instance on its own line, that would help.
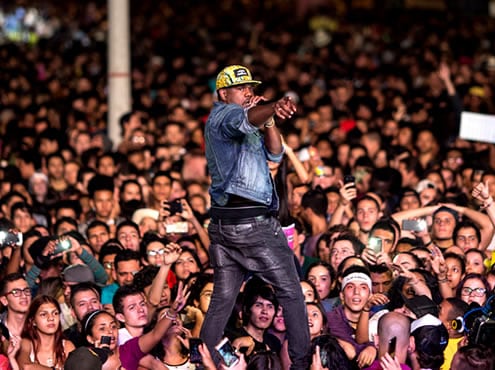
(479, 324)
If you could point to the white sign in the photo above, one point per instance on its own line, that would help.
(477, 127)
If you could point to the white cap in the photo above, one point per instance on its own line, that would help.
(141, 213)
(426, 320)
(423, 184)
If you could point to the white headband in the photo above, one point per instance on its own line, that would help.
(356, 276)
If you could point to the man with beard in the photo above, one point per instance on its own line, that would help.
(84, 298)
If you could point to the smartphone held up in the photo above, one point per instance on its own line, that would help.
(227, 352)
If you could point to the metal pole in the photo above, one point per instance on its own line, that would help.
(119, 85)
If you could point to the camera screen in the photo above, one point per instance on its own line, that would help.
(228, 354)
(486, 334)
(375, 244)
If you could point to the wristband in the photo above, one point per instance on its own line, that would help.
(487, 203)
(169, 316)
(270, 122)
(440, 281)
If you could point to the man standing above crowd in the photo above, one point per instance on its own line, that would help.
(240, 137)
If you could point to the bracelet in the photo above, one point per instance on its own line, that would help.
(440, 281)
(169, 316)
(270, 122)
(487, 203)
(429, 243)
(364, 310)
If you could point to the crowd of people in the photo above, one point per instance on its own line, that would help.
(105, 250)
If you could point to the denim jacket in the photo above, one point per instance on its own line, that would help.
(237, 157)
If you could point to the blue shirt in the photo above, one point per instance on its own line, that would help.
(107, 293)
(237, 157)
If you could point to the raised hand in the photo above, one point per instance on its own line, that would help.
(172, 253)
(181, 298)
(481, 192)
(254, 101)
(348, 192)
(284, 108)
(444, 72)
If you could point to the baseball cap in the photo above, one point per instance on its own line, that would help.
(78, 274)
(425, 184)
(234, 75)
(421, 305)
(430, 335)
(141, 213)
(477, 91)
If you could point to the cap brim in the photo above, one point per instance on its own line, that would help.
(251, 82)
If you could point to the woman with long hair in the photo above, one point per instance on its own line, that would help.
(42, 339)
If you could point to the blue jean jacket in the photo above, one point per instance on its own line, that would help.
(237, 157)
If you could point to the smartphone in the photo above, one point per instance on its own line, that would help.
(391, 346)
(62, 245)
(226, 351)
(175, 207)
(414, 225)
(194, 355)
(324, 357)
(5, 332)
(8, 238)
(177, 228)
(375, 244)
(349, 179)
(105, 340)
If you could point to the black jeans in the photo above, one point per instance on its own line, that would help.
(259, 247)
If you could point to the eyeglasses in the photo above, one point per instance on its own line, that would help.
(154, 253)
(18, 292)
(478, 292)
(108, 265)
